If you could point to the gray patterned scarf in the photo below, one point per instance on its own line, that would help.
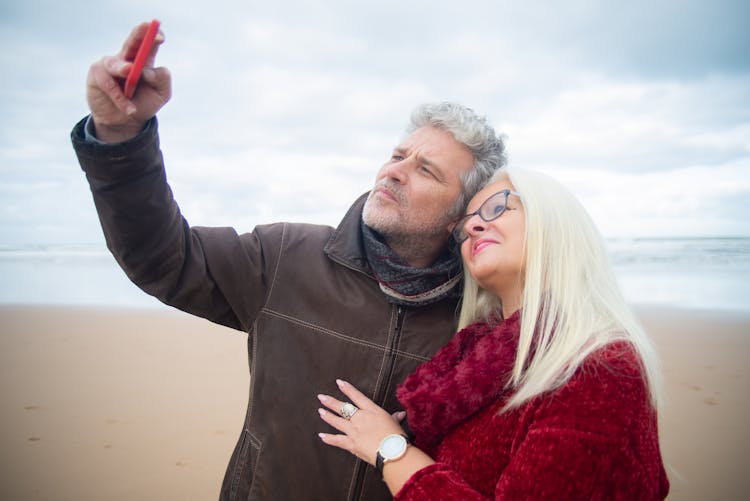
(405, 284)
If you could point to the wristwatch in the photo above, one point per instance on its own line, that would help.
(392, 448)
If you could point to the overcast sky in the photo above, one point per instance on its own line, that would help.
(285, 110)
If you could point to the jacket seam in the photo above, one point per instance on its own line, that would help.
(378, 383)
(343, 337)
(250, 407)
(346, 264)
(269, 294)
(250, 402)
(393, 324)
(259, 446)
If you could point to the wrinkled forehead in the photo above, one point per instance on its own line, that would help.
(437, 147)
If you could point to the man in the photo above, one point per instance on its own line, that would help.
(367, 301)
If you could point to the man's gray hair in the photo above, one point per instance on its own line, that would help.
(472, 131)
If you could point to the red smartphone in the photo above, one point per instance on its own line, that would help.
(140, 59)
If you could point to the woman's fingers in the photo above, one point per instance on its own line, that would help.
(340, 441)
(332, 416)
(362, 432)
(357, 397)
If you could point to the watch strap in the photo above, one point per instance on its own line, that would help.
(379, 462)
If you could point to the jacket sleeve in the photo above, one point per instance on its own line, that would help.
(584, 441)
(210, 272)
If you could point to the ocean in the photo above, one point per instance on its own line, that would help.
(695, 273)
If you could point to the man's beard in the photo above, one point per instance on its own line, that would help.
(404, 227)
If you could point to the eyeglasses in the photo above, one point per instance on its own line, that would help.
(491, 209)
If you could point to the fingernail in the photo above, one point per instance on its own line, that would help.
(322, 398)
(130, 110)
(321, 412)
(340, 382)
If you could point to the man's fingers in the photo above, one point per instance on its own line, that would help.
(104, 81)
(116, 66)
(158, 40)
(131, 44)
(158, 78)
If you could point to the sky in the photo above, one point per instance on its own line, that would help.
(285, 110)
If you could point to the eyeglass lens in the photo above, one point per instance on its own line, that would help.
(491, 209)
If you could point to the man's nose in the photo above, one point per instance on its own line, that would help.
(397, 170)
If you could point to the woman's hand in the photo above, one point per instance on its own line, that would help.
(367, 427)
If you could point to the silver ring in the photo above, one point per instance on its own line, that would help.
(348, 410)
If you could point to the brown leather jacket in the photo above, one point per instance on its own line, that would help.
(303, 293)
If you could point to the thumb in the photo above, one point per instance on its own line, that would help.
(158, 78)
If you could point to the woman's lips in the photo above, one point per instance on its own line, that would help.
(481, 244)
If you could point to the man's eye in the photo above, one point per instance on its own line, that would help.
(428, 172)
(397, 158)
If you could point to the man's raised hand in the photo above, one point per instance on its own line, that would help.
(117, 118)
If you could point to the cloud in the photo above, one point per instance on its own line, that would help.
(670, 39)
(690, 201)
(636, 126)
(285, 110)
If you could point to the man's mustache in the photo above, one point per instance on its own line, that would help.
(394, 189)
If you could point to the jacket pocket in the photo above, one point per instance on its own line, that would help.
(245, 465)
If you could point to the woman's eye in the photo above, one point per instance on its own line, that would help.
(498, 209)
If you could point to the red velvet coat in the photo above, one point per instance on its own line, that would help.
(594, 438)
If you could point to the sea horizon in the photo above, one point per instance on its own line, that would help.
(696, 272)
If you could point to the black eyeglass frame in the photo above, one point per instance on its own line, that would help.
(458, 232)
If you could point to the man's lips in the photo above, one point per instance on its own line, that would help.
(386, 193)
(481, 244)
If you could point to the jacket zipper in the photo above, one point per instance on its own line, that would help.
(380, 396)
(359, 469)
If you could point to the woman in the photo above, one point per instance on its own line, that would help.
(550, 389)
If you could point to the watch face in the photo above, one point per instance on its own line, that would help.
(393, 447)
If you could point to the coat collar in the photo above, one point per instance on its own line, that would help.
(464, 377)
(346, 245)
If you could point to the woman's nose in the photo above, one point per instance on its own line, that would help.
(475, 225)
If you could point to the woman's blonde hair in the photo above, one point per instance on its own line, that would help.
(571, 303)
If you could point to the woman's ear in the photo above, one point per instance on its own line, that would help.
(450, 227)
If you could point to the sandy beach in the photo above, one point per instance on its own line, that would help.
(115, 404)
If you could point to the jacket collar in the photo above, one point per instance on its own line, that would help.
(346, 245)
